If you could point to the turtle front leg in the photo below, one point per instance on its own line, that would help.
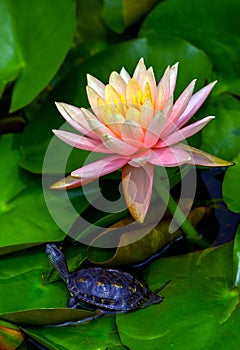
(75, 303)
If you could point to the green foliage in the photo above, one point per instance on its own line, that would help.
(24, 215)
(231, 186)
(209, 25)
(199, 302)
(223, 139)
(11, 336)
(35, 38)
(201, 284)
(46, 50)
(100, 334)
(120, 14)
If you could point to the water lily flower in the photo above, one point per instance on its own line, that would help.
(135, 122)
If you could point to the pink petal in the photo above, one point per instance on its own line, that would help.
(132, 133)
(154, 130)
(199, 157)
(133, 114)
(81, 142)
(111, 95)
(181, 103)
(160, 98)
(150, 79)
(67, 182)
(168, 107)
(164, 86)
(96, 126)
(74, 117)
(124, 74)
(169, 156)
(194, 104)
(118, 146)
(165, 90)
(117, 82)
(140, 71)
(147, 112)
(173, 78)
(105, 111)
(93, 98)
(140, 159)
(137, 188)
(116, 122)
(96, 85)
(132, 91)
(99, 168)
(184, 133)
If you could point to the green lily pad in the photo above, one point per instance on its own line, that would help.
(120, 14)
(231, 186)
(158, 53)
(98, 334)
(201, 304)
(48, 316)
(12, 178)
(97, 32)
(222, 136)
(199, 309)
(91, 36)
(135, 245)
(210, 25)
(28, 298)
(25, 217)
(10, 336)
(26, 220)
(22, 286)
(31, 54)
(137, 242)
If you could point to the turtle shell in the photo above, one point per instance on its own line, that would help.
(108, 289)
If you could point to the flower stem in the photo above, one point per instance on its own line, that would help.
(180, 219)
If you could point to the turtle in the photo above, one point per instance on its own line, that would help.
(105, 289)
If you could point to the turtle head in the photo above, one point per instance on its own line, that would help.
(57, 259)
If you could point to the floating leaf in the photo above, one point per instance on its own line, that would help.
(10, 336)
(25, 206)
(138, 242)
(201, 294)
(211, 26)
(26, 221)
(120, 14)
(97, 33)
(231, 186)
(22, 287)
(31, 54)
(48, 316)
(200, 307)
(100, 334)
(222, 137)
